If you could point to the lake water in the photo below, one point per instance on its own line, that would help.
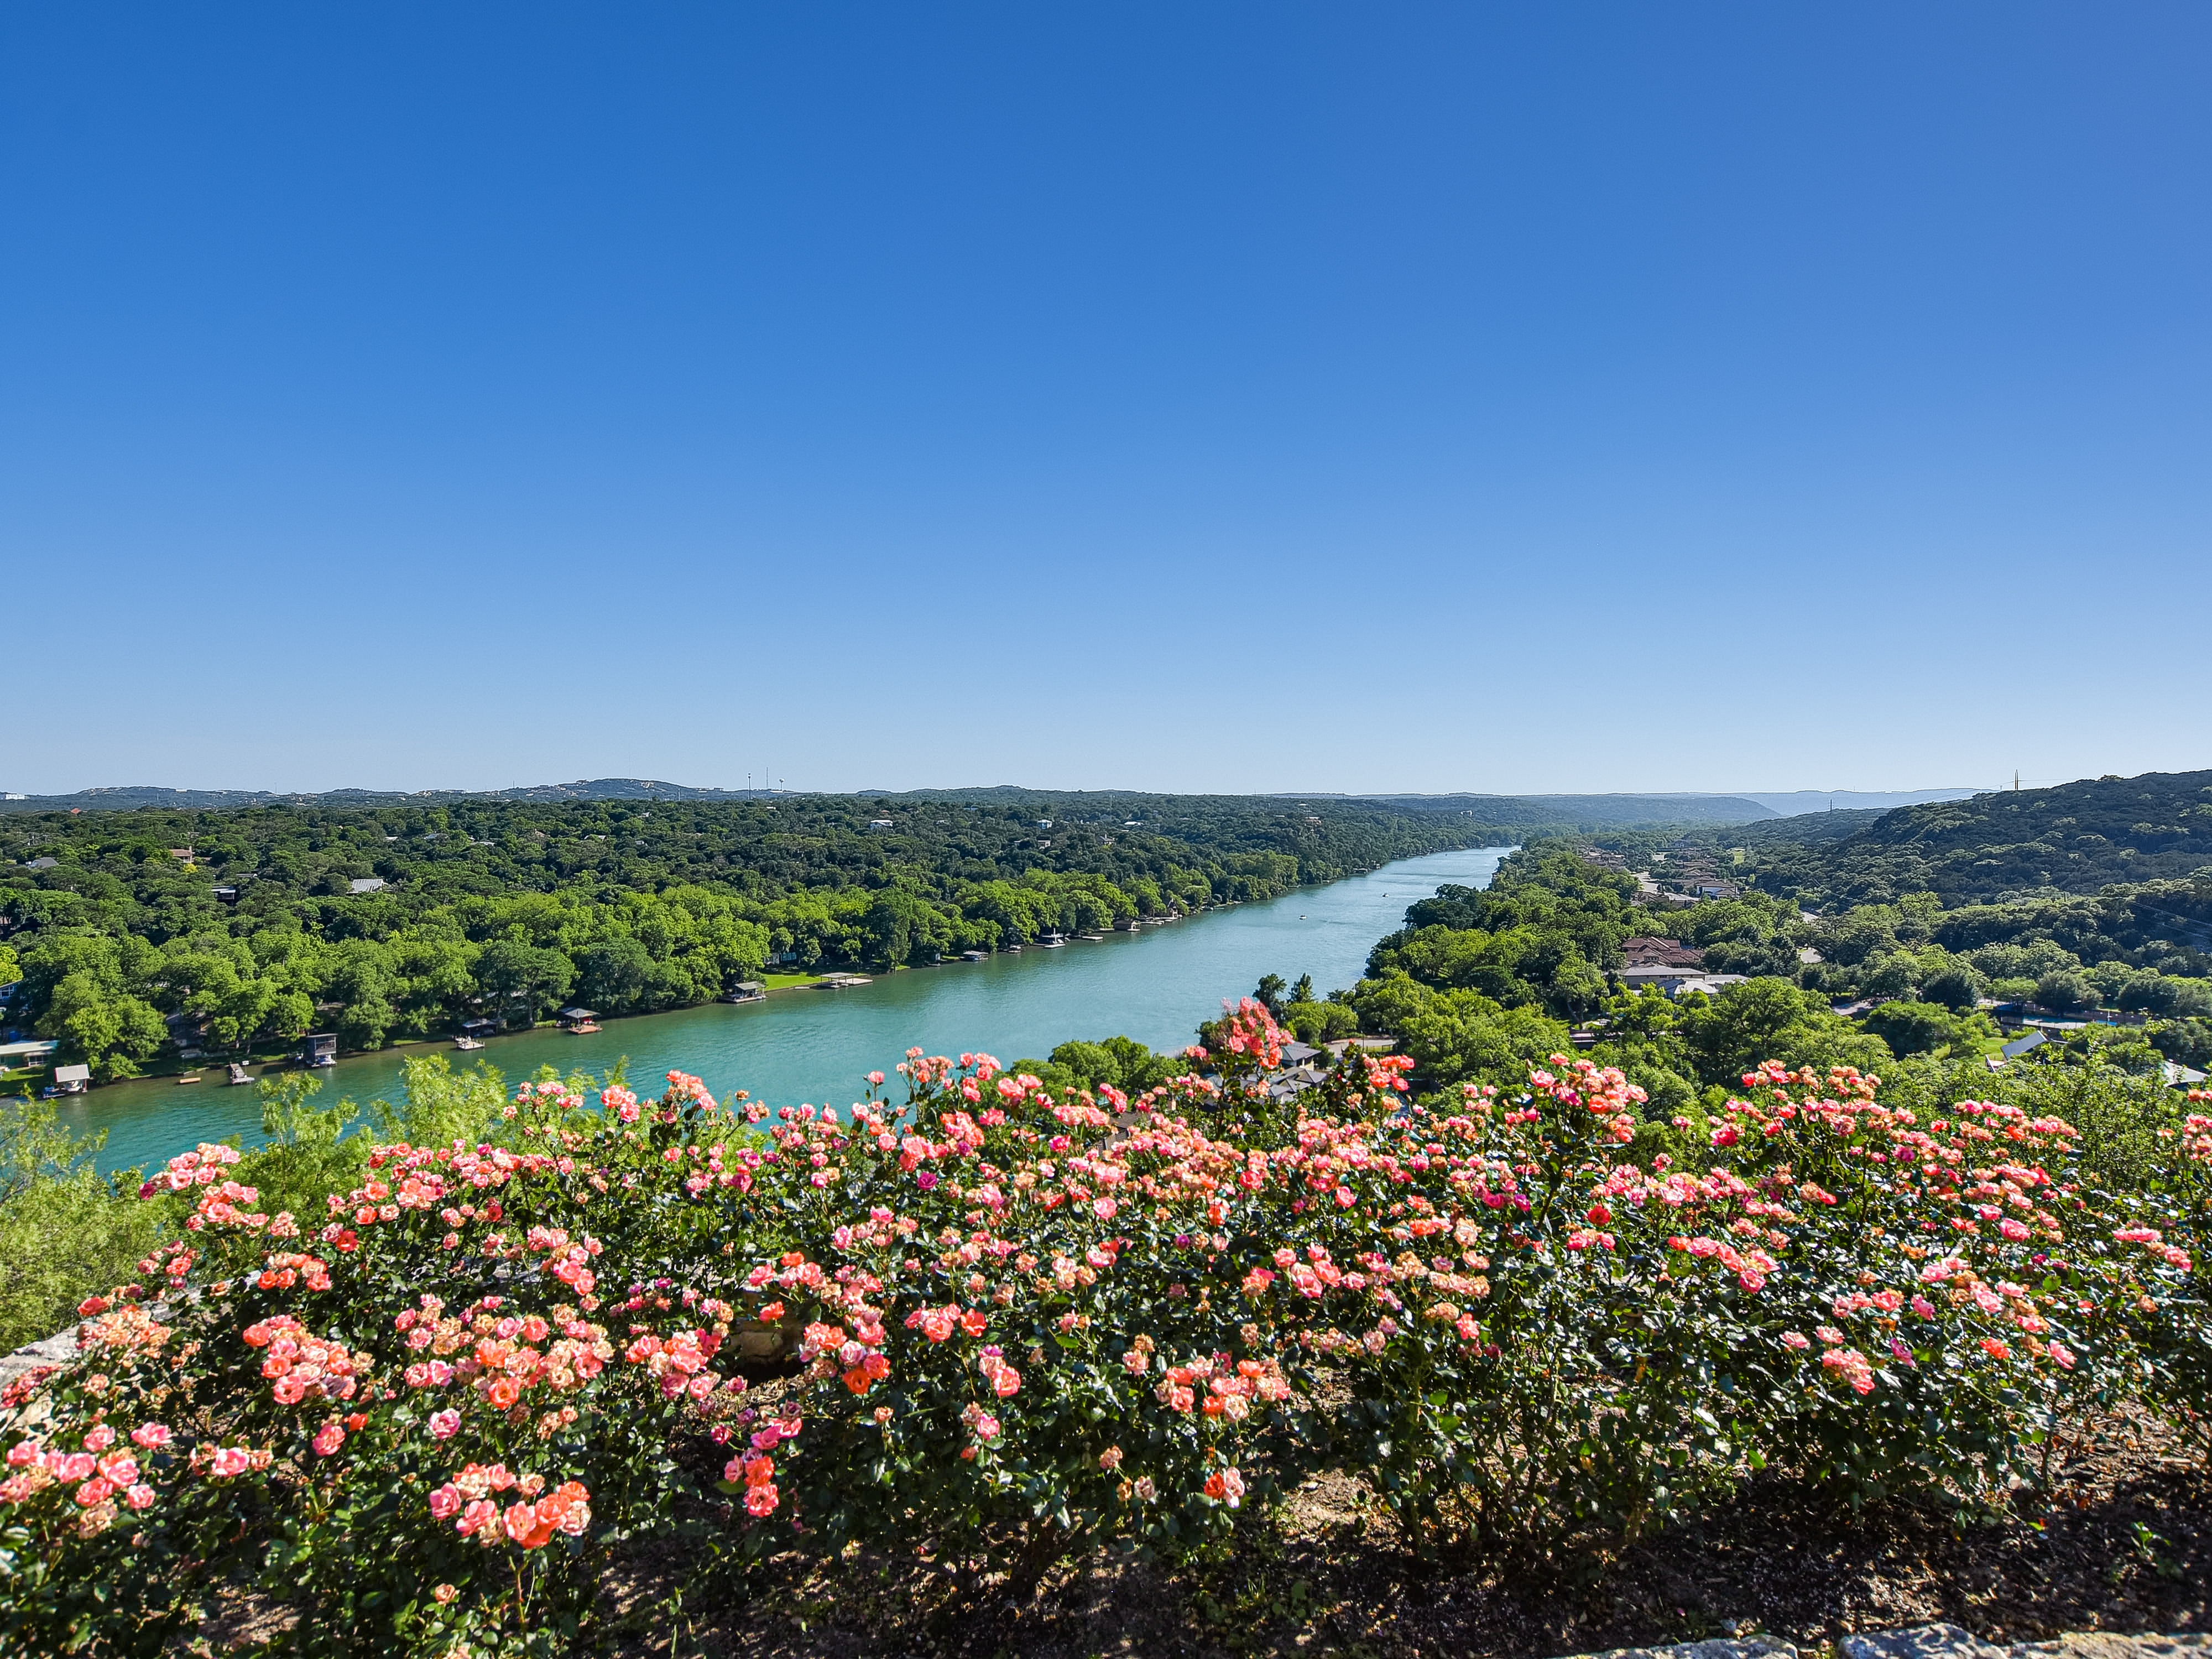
(1155, 985)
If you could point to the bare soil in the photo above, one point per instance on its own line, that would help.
(2125, 1544)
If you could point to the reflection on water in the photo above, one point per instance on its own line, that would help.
(1155, 986)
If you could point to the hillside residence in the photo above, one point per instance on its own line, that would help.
(1644, 951)
(367, 884)
(1675, 981)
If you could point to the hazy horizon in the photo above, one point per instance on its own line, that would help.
(1762, 797)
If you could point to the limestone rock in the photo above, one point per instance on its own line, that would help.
(1921, 1642)
(2106, 1644)
(1756, 1647)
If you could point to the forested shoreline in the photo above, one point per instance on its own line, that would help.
(129, 932)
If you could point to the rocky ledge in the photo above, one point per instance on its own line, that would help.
(1937, 1642)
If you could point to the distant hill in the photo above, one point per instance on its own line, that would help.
(1807, 827)
(1794, 802)
(2007, 844)
(1586, 811)
(130, 797)
(1509, 814)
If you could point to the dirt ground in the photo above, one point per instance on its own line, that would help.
(2127, 1546)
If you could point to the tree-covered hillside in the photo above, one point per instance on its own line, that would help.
(233, 928)
(2076, 838)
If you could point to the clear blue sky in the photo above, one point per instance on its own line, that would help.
(1163, 397)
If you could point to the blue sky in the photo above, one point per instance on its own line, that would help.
(1178, 398)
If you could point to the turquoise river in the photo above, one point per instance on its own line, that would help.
(809, 1045)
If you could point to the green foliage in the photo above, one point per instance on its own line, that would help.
(1765, 1019)
(1919, 1028)
(65, 1230)
(1457, 1036)
(1114, 1062)
(1539, 937)
(506, 910)
(1318, 1023)
(2006, 846)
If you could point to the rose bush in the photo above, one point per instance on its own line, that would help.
(1027, 1324)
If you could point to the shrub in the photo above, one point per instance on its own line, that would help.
(1033, 1322)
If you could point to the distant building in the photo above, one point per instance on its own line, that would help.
(1674, 981)
(42, 864)
(72, 1079)
(1649, 951)
(880, 823)
(367, 884)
